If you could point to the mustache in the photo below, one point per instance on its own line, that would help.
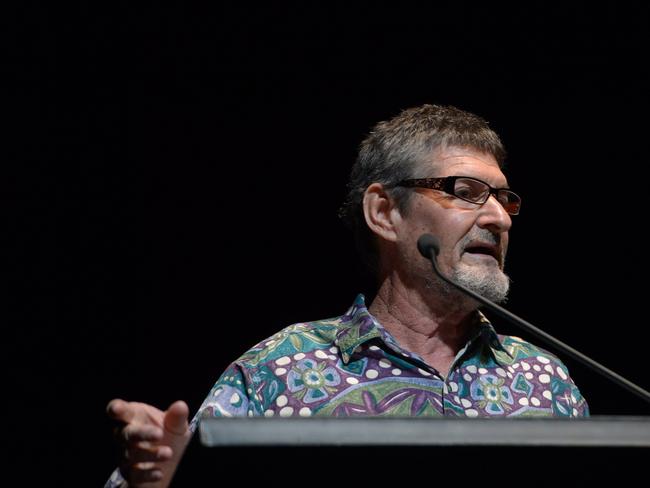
(482, 235)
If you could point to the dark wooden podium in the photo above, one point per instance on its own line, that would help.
(470, 452)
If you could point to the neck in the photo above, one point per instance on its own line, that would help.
(431, 324)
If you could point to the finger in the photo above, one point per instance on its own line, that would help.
(145, 452)
(145, 472)
(138, 433)
(176, 418)
(120, 410)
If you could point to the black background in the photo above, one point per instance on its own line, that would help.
(173, 176)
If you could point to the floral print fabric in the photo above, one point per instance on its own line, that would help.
(350, 365)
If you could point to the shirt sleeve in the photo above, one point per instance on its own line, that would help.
(567, 398)
(233, 395)
(116, 480)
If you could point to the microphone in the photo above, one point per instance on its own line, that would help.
(429, 248)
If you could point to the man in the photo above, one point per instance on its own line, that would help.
(421, 348)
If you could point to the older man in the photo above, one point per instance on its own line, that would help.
(422, 348)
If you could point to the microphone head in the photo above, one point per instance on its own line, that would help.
(426, 244)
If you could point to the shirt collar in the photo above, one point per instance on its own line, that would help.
(358, 326)
(490, 338)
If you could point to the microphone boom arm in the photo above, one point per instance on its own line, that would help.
(540, 334)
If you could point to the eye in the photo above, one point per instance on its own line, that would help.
(503, 198)
(471, 190)
(510, 201)
(464, 191)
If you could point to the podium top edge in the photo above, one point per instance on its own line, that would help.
(607, 431)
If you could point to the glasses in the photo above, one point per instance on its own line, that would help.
(468, 189)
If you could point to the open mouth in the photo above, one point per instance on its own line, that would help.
(483, 250)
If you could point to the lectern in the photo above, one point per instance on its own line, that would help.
(388, 431)
(508, 452)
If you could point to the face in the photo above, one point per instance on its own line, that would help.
(473, 238)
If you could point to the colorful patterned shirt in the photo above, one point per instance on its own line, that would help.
(351, 365)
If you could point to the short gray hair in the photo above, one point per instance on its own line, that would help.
(395, 149)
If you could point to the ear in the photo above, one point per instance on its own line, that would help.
(380, 211)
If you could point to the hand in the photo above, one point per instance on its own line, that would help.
(152, 441)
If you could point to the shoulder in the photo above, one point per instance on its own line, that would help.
(301, 337)
(524, 353)
(533, 368)
(519, 348)
(258, 376)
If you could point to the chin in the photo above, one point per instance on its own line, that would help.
(493, 285)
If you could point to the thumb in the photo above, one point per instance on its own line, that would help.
(175, 421)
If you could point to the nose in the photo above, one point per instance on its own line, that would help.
(494, 217)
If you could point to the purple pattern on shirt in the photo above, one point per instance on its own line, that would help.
(350, 365)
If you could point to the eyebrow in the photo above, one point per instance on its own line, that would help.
(506, 187)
